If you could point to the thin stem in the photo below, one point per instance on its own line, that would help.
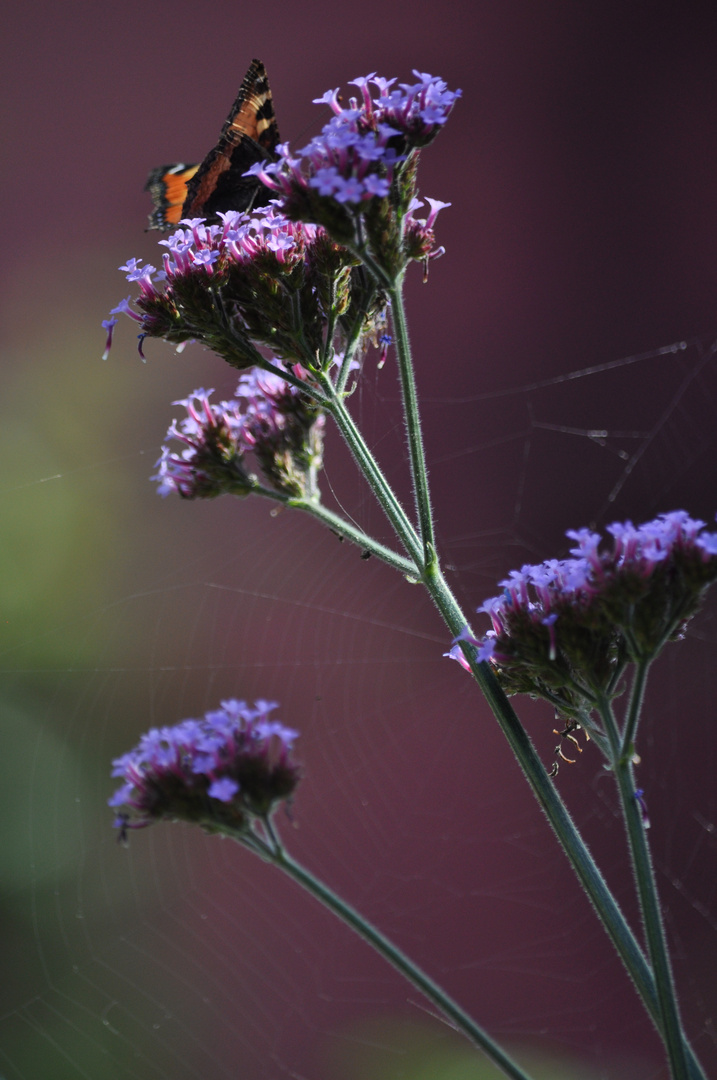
(637, 696)
(675, 1040)
(357, 536)
(413, 422)
(595, 735)
(298, 330)
(360, 250)
(373, 475)
(275, 853)
(353, 338)
(340, 526)
(328, 349)
(300, 384)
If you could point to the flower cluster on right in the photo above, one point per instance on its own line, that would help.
(565, 629)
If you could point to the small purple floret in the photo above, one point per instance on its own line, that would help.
(353, 159)
(108, 325)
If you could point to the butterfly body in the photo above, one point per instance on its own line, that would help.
(217, 184)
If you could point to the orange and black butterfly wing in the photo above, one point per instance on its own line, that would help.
(250, 135)
(167, 185)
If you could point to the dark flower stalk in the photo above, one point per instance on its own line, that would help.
(228, 772)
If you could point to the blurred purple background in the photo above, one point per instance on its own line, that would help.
(581, 165)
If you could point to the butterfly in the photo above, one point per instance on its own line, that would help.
(250, 134)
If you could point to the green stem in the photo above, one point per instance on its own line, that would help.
(582, 862)
(300, 384)
(340, 526)
(274, 853)
(373, 475)
(675, 1040)
(352, 341)
(413, 422)
(328, 350)
(380, 275)
(637, 696)
(356, 536)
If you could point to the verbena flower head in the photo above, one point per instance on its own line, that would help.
(309, 273)
(212, 460)
(358, 177)
(253, 281)
(284, 431)
(221, 771)
(269, 417)
(564, 630)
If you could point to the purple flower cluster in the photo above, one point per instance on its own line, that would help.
(241, 237)
(358, 177)
(419, 238)
(281, 276)
(232, 765)
(564, 629)
(208, 251)
(212, 461)
(355, 156)
(268, 416)
(252, 282)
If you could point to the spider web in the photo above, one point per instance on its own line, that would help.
(556, 393)
(183, 956)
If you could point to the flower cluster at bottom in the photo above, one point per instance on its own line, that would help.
(222, 771)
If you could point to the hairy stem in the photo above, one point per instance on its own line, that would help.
(675, 1040)
(375, 478)
(419, 473)
(275, 853)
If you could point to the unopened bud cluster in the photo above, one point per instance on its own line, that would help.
(565, 629)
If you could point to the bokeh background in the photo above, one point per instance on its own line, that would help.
(582, 168)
